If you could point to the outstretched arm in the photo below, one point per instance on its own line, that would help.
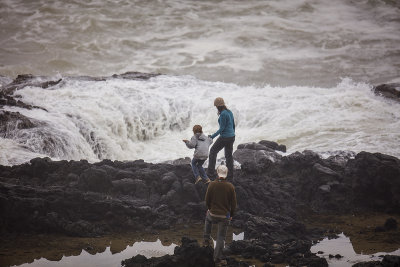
(192, 143)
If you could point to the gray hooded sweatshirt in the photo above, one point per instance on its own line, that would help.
(200, 143)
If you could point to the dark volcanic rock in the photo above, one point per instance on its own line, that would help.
(388, 261)
(134, 75)
(95, 179)
(188, 254)
(273, 145)
(390, 90)
(83, 199)
(390, 224)
(254, 146)
(310, 261)
(374, 181)
(25, 80)
(10, 122)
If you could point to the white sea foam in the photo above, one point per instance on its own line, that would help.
(307, 42)
(12, 153)
(127, 120)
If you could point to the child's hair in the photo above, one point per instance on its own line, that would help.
(197, 129)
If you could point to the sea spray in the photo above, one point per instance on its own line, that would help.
(133, 119)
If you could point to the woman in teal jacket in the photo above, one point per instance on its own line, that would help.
(226, 138)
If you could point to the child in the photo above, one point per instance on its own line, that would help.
(200, 143)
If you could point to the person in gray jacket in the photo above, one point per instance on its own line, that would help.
(201, 144)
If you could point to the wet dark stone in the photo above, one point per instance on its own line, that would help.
(254, 146)
(188, 254)
(82, 199)
(11, 122)
(390, 90)
(257, 158)
(312, 261)
(390, 224)
(391, 261)
(373, 178)
(133, 75)
(379, 229)
(387, 261)
(273, 145)
(96, 180)
(24, 80)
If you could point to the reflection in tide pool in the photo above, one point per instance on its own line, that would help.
(343, 246)
(239, 236)
(106, 258)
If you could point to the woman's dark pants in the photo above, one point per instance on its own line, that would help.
(227, 144)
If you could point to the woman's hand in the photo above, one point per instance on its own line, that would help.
(185, 141)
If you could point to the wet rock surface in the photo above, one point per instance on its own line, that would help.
(389, 90)
(190, 253)
(387, 261)
(77, 198)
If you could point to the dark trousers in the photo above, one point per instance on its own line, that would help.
(227, 144)
(198, 170)
(221, 233)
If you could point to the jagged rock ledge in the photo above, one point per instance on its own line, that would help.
(82, 199)
(389, 90)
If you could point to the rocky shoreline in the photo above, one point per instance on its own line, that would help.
(77, 198)
(13, 123)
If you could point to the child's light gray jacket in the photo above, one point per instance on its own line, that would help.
(201, 144)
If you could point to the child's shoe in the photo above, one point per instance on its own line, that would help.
(208, 181)
(198, 180)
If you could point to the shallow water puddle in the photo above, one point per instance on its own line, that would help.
(112, 256)
(108, 258)
(344, 247)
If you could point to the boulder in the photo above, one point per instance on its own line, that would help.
(387, 261)
(390, 90)
(273, 145)
(254, 146)
(255, 156)
(188, 254)
(95, 179)
(374, 179)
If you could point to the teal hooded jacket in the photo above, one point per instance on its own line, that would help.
(226, 124)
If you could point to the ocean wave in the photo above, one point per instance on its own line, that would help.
(123, 119)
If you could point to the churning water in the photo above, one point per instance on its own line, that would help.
(296, 72)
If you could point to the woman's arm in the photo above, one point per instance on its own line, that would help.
(223, 121)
